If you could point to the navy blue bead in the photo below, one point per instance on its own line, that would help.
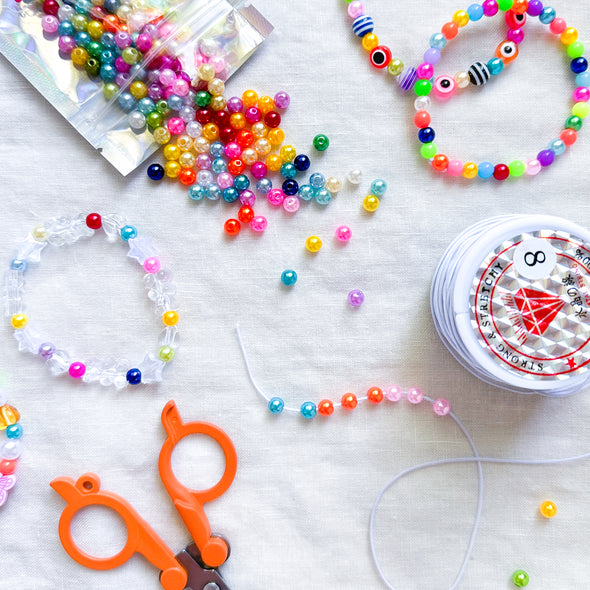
(301, 162)
(134, 376)
(155, 171)
(579, 65)
(111, 6)
(290, 187)
(426, 135)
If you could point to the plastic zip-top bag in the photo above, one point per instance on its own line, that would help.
(222, 32)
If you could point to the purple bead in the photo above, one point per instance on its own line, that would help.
(122, 79)
(122, 66)
(282, 100)
(407, 78)
(235, 105)
(356, 298)
(432, 56)
(151, 30)
(66, 44)
(490, 7)
(123, 39)
(247, 197)
(49, 24)
(155, 92)
(546, 157)
(143, 42)
(535, 7)
(46, 350)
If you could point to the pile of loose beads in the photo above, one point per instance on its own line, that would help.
(10, 450)
(63, 231)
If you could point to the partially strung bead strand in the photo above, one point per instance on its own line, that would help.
(11, 449)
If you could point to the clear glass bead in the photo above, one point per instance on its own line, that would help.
(112, 224)
(11, 450)
(422, 103)
(59, 362)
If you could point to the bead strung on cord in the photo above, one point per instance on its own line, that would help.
(62, 231)
(11, 449)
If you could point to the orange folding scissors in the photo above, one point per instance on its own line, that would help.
(194, 568)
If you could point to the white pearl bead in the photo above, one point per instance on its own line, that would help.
(136, 120)
(462, 79)
(355, 176)
(333, 184)
(422, 103)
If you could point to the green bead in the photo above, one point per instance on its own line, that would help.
(79, 22)
(576, 49)
(166, 354)
(110, 90)
(422, 87)
(520, 578)
(154, 119)
(395, 67)
(574, 123)
(517, 168)
(92, 67)
(505, 5)
(130, 55)
(95, 49)
(162, 107)
(321, 142)
(428, 151)
(202, 98)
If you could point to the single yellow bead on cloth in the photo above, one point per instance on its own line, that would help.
(581, 109)
(371, 203)
(461, 18)
(161, 135)
(370, 41)
(274, 162)
(172, 152)
(210, 131)
(170, 318)
(470, 170)
(19, 321)
(288, 153)
(8, 416)
(548, 509)
(249, 98)
(266, 104)
(172, 169)
(276, 136)
(313, 244)
(569, 36)
(79, 56)
(39, 233)
(237, 121)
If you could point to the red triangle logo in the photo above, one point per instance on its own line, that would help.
(538, 309)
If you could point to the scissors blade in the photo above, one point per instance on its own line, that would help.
(199, 577)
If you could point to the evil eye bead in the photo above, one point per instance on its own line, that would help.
(444, 87)
(515, 21)
(362, 25)
(380, 57)
(479, 74)
(507, 51)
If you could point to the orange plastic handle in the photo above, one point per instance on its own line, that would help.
(141, 538)
(189, 503)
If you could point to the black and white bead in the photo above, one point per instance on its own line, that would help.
(479, 73)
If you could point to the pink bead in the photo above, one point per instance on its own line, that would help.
(218, 63)
(233, 150)
(415, 395)
(49, 24)
(356, 9)
(123, 39)
(200, 59)
(490, 7)
(259, 223)
(166, 29)
(533, 167)
(516, 35)
(225, 180)
(343, 233)
(166, 77)
(275, 196)
(394, 393)
(557, 26)
(291, 204)
(204, 161)
(259, 170)
(143, 42)
(425, 71)
(122, 66)
(180, 87)
(151, 265)
(175, 125)
(77, 370)
(441, 407)
(455, 168)
(66, 44)
(247, 197)
(444, 87)
(581, 94)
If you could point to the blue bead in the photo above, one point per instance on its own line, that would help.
(306, 192)
(241, 182)
(426, 135)
(378, 187)
(126, 101)
(196, 192)
(288, 170)
(301, 162)
(276, 405)
(108, 40)
(290, 187)
(137, 72)
(322, 196)
(111, 5)
(128, 232)
(66, 28)
(230, 195)
(547, 16)
(475, 12)
(82, 6)
(288, 277)
(557, 146)
(155, 171)
(218, 166)
(146, 106)
(495, 65)
(14, 431)
(133, 376)
(216, 149)
(82, 39)
(583, 79)
(18, 264)
(438, 41)
(362, 25)
(308, 410)
(485, 170)
(107, 57)
(579, 65)
(213, 192)
(108, 73)
(264, 185)
(175, 103)
(317, 180)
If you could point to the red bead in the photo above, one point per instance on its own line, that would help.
(272, 119)
(375, 395)
(568, 136)
(187, 176)
(380, 56)
(94, 221)
(422, 119)
(440, 162)
(232, 227)
(325, 407)
(245, 138)
(50, 7)
(501, 172)
(450, 30)
(236, 166)
(7, 466)
(221, 118)
(227, 134)
(514, 20)
(204, 116)
(349, 401)
(111, 23)
(245, 214)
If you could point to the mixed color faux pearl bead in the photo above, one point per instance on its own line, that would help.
(11, 449)
(371, 202)
(65, 230)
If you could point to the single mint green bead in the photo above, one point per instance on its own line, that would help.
(517, 168)
(395, 67)
(166, 354)
(154, 119)
(576, 49)
(581, 110)
(110, 90)
(321, 142)
(162, 107)
(428, 151)
(422, 87)
(130, 55)
(505, 5)
(574, 123)
(520, 578)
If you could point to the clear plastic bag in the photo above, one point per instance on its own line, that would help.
(233, 29)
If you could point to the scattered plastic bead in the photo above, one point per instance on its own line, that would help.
(378, 187)
(548, 509)
(343, 233)
(313, 244)
(308, 410)
(354, 176)
(276, 405)
(155, 171)
(291, 204)
(356, 297)
(288, 277)
(371, 203)
(321, 142)
(232, 227)
(520, 578)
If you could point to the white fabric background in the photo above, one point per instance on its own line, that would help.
(297, 513)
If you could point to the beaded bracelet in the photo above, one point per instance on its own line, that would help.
(161, 290)
(11, 450)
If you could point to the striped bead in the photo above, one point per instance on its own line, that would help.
(479, 73)
(407, 78)
(362, 25)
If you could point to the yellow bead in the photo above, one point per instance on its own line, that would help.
(138, 90)
(249, 156)
(581, 109)
(237, 120)
(8, 416)
(569, 36)
(276, 136)
(161, 135)
(259, 129)
(461, 18)
(210, 131)
(395, 67)
(172, 152)
(172, 169)
(249, 98)
(206, 72)
(371, 203)
(548, 509)
(288, 153)
(370, 41)
(218, 103)
(216, 87)
(95, 29)
(19, 321)
(79, 56)
(166, 354)
(187, 160)
(470, 170)
(170, 318)
(39, 233)
(266, 104)
(274, 162)
(262, 146)
(313, 244)
(184, 142)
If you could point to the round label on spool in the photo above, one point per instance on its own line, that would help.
(530, 305)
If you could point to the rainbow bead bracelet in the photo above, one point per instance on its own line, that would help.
(10, 450)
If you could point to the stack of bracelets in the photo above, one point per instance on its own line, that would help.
(422, 79)
(10, 450)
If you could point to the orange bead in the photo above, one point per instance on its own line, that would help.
(349, 401)
(236, 166)
(111, 23)
(470, 170)
(568, 136)
(187, 176)
(370, 41)
(520, 6)
(440, 162)
(8, 416)
(249, 98)
(232, 227)
(375, 395)
(245, 138)
(170, 318)
(325, 407)
(450, 30)
(210, 131)
(245, 214)
(237, 120)
(422, 119)
(548, 509)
